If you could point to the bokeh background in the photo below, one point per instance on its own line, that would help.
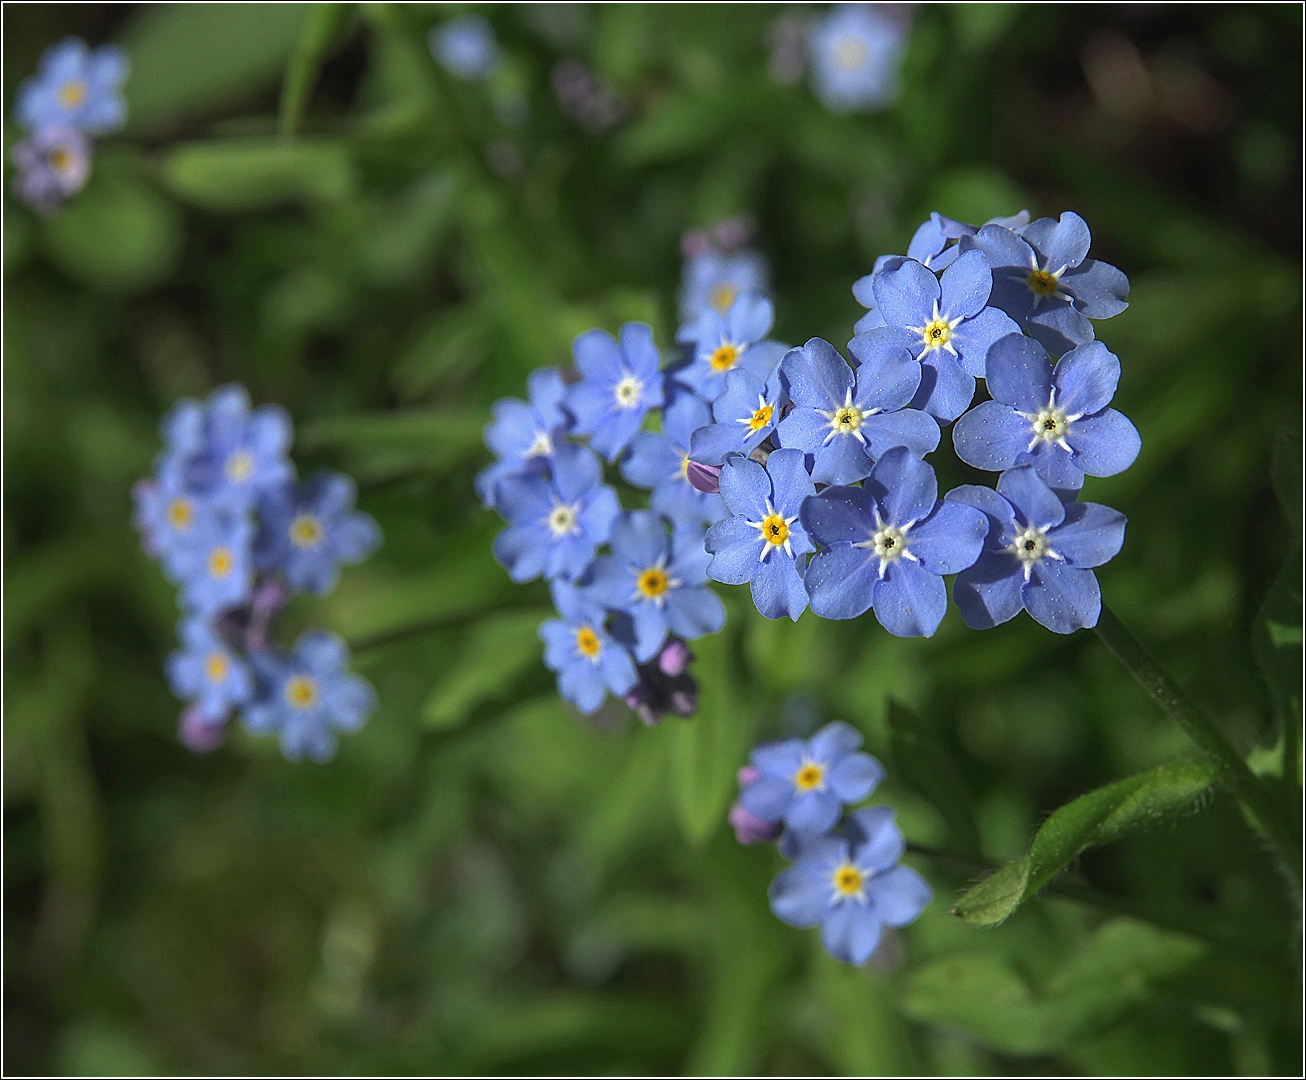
(481, 881)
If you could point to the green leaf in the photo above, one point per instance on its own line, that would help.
(1100, 817)
(321, 27)
(984, 995)
(237, 174)
(498, 650)
(188, 58)
(923, 762)
(384, 444)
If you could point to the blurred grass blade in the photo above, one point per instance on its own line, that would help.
(923, 763)
(322, 26)
(499, 650)
(256, 173)
(1100, 817)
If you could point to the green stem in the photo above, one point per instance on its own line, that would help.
(1206, 734)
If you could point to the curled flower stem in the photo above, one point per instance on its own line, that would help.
(1206, 734)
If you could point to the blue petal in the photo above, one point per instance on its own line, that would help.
(1104, 444)
(520, 549)
(777, 587)
(812, 812)
(1000, 516)
(899, 895)
(768, 798)
(1063, 243)
(1019, 373)
(1091, 534)
(710, 445)
(576, 471)
(843, 460)
(640, 538)
(745, 487)
(650, 629)
(839, 514)
(910, 428)
(1099, 289)
(854, 777)
(904, 486)
(906, 293)
(619, 674)
(1086, 379)
(991, 436)
(880, 842)
(976, 336)
(945, 391)
(582, 684)
(887, 375)
(1058, 327)
(321, 653)
(779, 760)
(851, 933)
(950, 539)
(598, 356)
(790, 482)
(1035, 503)
(834, 741)
(641, 353)
(965, 286)
(909, 601)
(736, 549)
(1062, 598)
(799, 897)
(355, 536)
(989, 593)
(816, 375)
(694, 613)
(750, 318)
(803, 429)
(841, 581)
(352, 701)
(652, 460)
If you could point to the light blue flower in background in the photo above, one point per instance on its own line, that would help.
(856, 51)
(75, 87)
(465, 47)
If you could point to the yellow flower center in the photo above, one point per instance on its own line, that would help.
(775, 529)
(306, 531)
(72, 93)
(587, 642)
(809, 776)
(936, 334)
(724, 358)
(215, 667)
(848, 880)
(723, 295)
(760, 418)
(847, 420)
(180, 514)
(653, 582)
(301, 692)
(59, 159)
(239, 466)
(1043, 283)
(220, 562)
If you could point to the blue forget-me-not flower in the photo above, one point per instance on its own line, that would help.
(308, 530)
(887, 544)
(620, 383)
(658, 581)
(729, 341)
(1038, 555)
(805, 783)
(524, 434)
(308, 695)
(214, 563)
(1056, 419)
(713, 279)
(556, 524)
(75, 87)
(852, 885)
(208, 673)
(244, 452)
(660, 461)
(745, 414)
(843, 420)
(856, 51)
(50, 165)
(764, 542)
(589, 662)
(465, 47)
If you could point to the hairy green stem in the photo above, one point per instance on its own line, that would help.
(1199, 726)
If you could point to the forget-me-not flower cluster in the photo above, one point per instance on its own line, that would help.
(75, 95)
(238, 534)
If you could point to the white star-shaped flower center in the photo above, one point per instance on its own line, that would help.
(847, 419)
(541, 447)
(1030, 546)
(888, 543)
(938, 332)
(626, 392)
(1050, 424)
(775, 531)
(563, 520)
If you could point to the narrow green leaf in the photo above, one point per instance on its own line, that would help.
(1100, 817)
(498, 650)
(236, 174)
(322, 26)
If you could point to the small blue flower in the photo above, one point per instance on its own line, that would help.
(556, 525)
(1043, 278)
(659, 460)
(886, 545)
(524, 434)
(944, 323)
(1056, 419)
(844, 420)
(713, 279)
(856, 52)
(215, 563)
(244, 452)
(465, 47)
(309, 529)
(722, 343)
(619, 384)
(76, 87)
(1038, 555)
(308, 695)
(658, 581)
(206, 671)
(589, 661)
(805, 783)
(168, 512)
(934, 244)
(764, 542)
(746, 413)
(850, 884)
(51, 165)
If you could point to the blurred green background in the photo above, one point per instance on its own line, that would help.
(481, 881)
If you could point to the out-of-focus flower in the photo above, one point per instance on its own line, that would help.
(586, 97)
(749, 828)
(308, 695)
(729, 341)
(245, 451)
(207, 673)
(856, 51)
(75, 87)
(745, 415)
(1038, 555)
(51, 165)
(620, 383)
(713, 279)
(465, 47)
(524, 434)
(588, 661)
(215, 564)
(660, 460)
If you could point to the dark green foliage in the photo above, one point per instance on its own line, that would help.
(481, 881)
